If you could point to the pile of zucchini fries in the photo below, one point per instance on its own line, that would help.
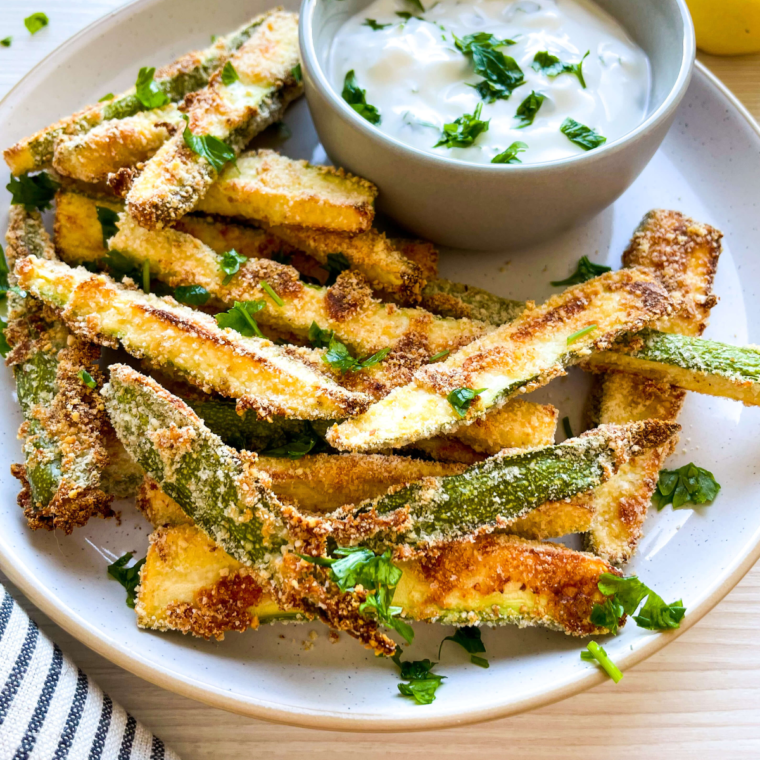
(308, 386)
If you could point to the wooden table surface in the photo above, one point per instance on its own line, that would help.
(699, 697)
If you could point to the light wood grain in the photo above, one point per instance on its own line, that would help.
(699, 698)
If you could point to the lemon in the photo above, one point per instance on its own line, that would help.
(726, 27)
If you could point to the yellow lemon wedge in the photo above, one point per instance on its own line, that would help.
(726, 27)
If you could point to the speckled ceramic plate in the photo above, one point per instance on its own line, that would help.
(709, 167)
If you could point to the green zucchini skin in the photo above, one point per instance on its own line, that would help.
(695, 364)
(64, 419)
(246, 431)
(510, 485)
(206, 478)
(453, 299)
(189, 73)
(195, 468)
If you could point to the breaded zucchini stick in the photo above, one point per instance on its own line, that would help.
(115, 144)
(347, 308)
(270, 379)
(246, 520)
(371, 253)
(188, 73)
(684, 254)
(65, 420)
(190, 584)
(176, 178)
(272, 188)
(452, 299)
(513, 359)
(692, 364)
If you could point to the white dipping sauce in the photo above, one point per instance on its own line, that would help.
(413, 73)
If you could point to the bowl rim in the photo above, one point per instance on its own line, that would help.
(315, 74)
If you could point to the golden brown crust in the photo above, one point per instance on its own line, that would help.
(683, 254)
(562, 582)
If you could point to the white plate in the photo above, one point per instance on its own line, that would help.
(708, 167)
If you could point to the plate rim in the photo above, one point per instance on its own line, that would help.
(186, 686)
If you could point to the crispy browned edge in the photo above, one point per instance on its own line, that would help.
(666, 242)
(76, 417)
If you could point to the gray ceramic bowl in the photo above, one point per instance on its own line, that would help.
(487, 207)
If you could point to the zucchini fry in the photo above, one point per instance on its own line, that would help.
(692, 364)
(452, 299)
(245, 517)
(515, 358)
(270, 379)
(684, 255)
(370, 253)
(269, 187)
(188, 73)
(347, 308)
(65, 420)
(189, 584)
(115, 144)
(176, 178)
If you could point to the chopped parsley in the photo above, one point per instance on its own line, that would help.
(596, 653)
(33, 191)
(372, 24)
(353, 566)
(686, 485)
(470, 639)
(576, 335)
(240, 318)
(462, 398)
(192, 295)
(581, 135)
(439, 355)
(423, 683)
(230, 263)
(357, 99)
(229, 74)
(550, 65)
(339, 357)
(483, 39)
(625, 596)
(107, 218)
(214, 150)
(87, 378)
(6, 41)
(406, 16)
(336, 263)
(528, 109)
(35, 22)
(501, 74)
(296, 72)
(509, 156)
(148, 91)
(566, 427)
(109, 96)
(462, 132)
(129, 577)
(269, 290)
(585, 271)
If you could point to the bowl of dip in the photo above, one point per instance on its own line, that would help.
(494, 124)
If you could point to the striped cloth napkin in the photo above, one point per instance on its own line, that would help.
(51, 710)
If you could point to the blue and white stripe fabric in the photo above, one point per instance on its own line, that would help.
(50, 710)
